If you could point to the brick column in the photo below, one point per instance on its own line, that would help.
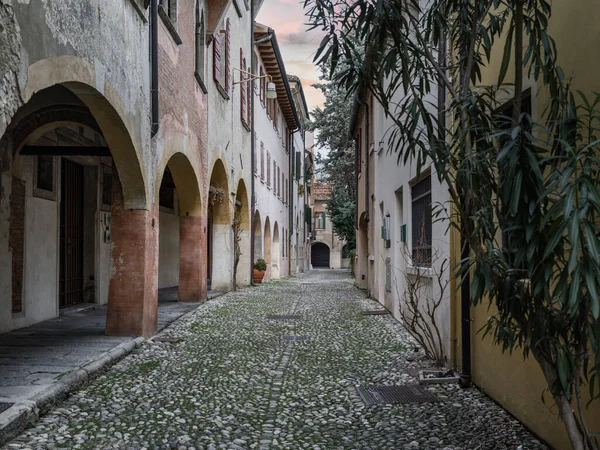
(133, 289)
(192, 287)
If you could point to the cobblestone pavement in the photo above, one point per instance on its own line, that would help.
(230, 381)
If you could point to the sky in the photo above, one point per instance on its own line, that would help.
(297, 45)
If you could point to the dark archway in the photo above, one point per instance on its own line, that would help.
(319, 255)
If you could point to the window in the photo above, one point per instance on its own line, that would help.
(268, 169)
(262, 86)
(278, 182)
(221, 56)
(166, 194)
(45, 173)
(170, 7)
(421, 222)
(262, 161)
(200, 43)
(243, 77)
(274, 178)
(319, 221)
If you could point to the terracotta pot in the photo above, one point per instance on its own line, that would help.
(258, 276)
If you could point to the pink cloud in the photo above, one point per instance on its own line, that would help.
(298, 45)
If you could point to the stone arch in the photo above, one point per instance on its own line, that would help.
(242, 241)
(60, 96)
(181, 236)
(320, 255)
(219, 238)
(276, 254)
(120, 126)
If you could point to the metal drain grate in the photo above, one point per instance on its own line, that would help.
(295, 338)
(284, 317)
(376, 312)
(5, 406)
(383, 395)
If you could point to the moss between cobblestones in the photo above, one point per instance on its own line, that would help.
(232, 382)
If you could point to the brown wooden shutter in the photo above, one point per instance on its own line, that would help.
(227, 56)
(243, 86)
(217, 57)
(250, 93)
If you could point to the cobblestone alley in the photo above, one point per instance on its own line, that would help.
(226, 376)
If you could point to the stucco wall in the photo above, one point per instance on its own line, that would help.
(515, 383)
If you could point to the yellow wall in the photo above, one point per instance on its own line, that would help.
(515, 383)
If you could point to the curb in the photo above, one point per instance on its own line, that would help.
(15, 419)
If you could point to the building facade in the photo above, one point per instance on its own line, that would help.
(126, 134)
(327, 250)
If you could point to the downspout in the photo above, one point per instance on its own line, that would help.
(465, 298)
(253, 64)
(291, 200)
(154, 64)
(367, 131)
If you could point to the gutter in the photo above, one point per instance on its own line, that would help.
(154, 64)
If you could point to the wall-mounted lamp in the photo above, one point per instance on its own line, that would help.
(271, 88)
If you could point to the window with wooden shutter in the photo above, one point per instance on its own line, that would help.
(227, 56)
(243, 86)
(248, 88)
(200, 42)
(262, 161)
(268, 168)
(217, 57)
(262, 86)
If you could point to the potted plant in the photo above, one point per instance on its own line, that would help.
(259, 270)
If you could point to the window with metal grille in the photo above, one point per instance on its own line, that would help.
(421, 222)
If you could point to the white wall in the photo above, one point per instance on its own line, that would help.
(267, 203)
(168, 250)
(229, 141)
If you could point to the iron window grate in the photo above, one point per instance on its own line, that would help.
(384, 395)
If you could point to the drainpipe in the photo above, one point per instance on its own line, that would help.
(291, 200)
(253, 63)
(367, 131)
(465, 299)
(154, 64)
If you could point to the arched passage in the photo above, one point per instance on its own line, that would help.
(80, 219)
(319, 255)
(241, 236)
(267, 248)
(180, 238)
(275, 254)
(219, 237)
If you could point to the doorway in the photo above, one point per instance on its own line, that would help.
(71, 234)
(320, 255)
